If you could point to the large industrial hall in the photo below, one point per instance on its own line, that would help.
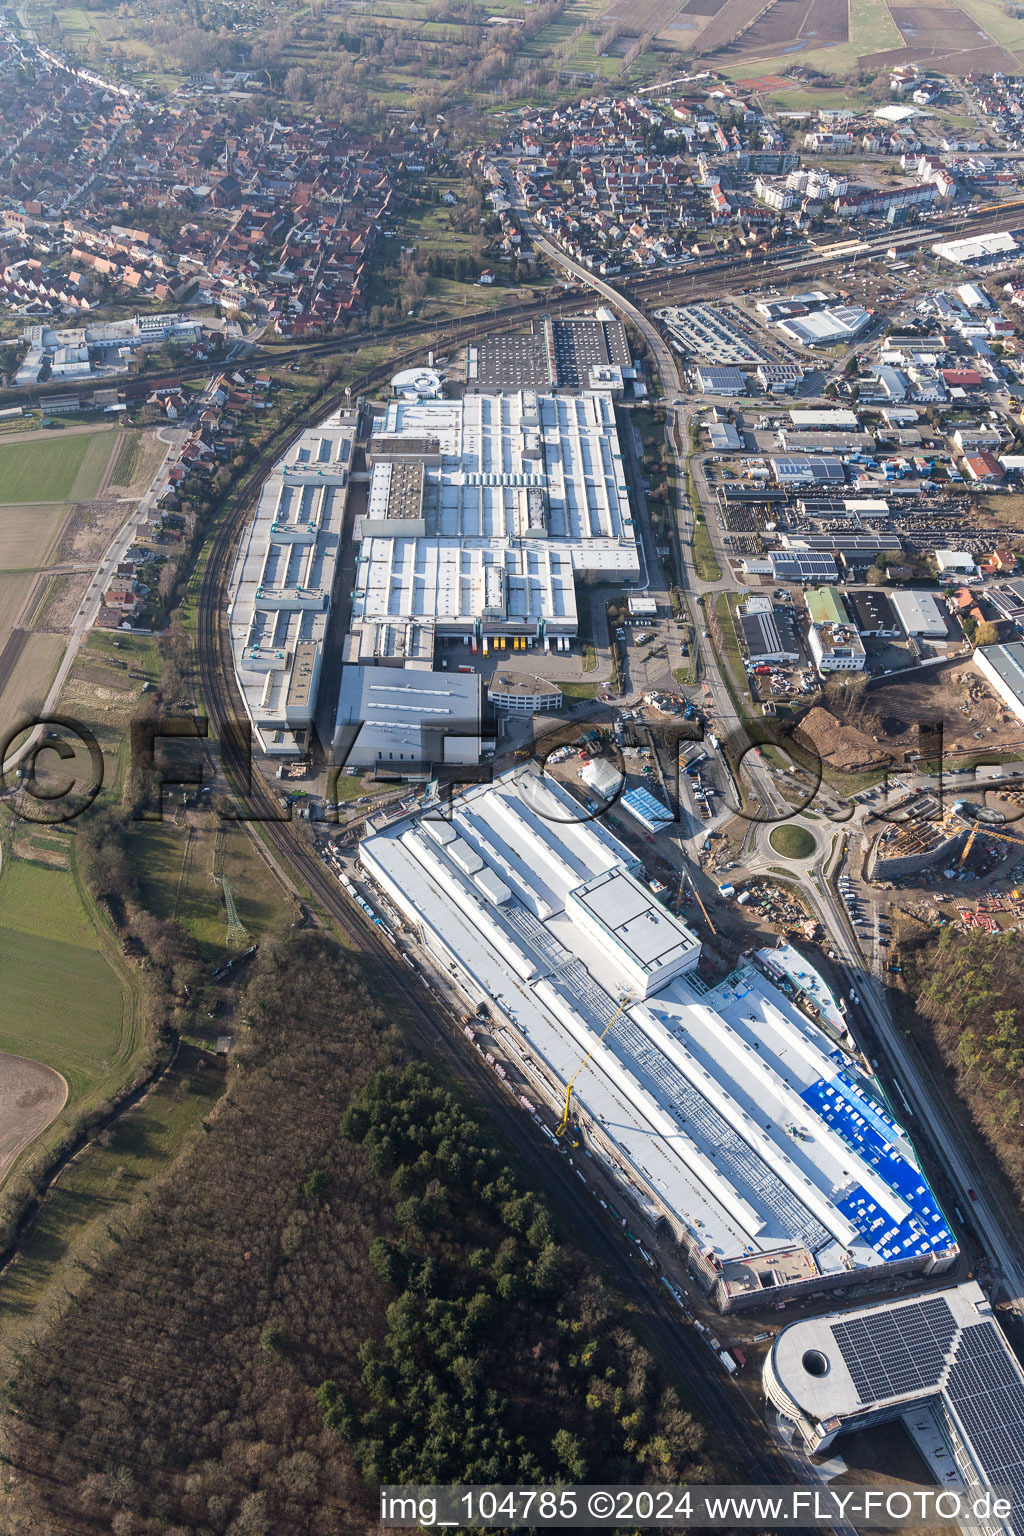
(728, 1112)
(483, 511)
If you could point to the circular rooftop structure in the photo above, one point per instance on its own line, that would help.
(418, 384)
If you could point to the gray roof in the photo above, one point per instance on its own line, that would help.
(405, 715)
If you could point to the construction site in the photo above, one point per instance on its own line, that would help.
(924, 837)
(882, 726)
(739, 1125)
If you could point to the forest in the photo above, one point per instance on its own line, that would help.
(343, 1277)
(968, 988)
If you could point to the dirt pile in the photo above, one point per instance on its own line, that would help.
(840, 746)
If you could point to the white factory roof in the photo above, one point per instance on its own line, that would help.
(840, 419)
(825, 327)
(457, 581)
(530, 490)
(954, 560)
(977, 247)
(405, 717)
(426, 383)
(750, 1130)
(283, 579)
(919, 613)
(1007, 664)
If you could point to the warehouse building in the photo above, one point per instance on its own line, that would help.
(799, 469)
(406, 722)
(762, 634)
(920, 615)
(721, 381)
(988, 250)
(939, 1363)
(1003, 667)
(734, 1123)
(282, 584)
(724, 437)
(483, 511)
(801, 565)
(873, 613)
(836, 420)
(826, 327)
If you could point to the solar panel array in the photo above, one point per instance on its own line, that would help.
(890, 1354)
(986, 1394)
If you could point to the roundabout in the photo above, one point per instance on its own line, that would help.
(791, 841)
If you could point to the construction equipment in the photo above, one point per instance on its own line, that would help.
(703, 908)
(561, 1129)
(986, 831)
(685, 875)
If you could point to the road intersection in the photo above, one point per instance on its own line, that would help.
(920, 1096)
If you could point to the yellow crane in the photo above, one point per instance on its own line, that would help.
(986, 831)
(561, 1129)
(703, 908)
(684, 874)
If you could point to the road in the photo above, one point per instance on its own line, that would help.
(677, 434)
(925, 1103)
(735, 1427)
(928, 1109)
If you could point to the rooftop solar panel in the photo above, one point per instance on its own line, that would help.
(891, 1356)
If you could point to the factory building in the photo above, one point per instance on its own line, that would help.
(873, 612)
(920, 614)
(1003, 667)
(940, 1363)
(735, 1122)
(762, 627)
(406, 722)
(826, 327)
(483, 511)
(282, 584)
(799, 469)
(800, 565)
(836, 648)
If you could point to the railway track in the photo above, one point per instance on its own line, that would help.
(708, 281)
(736, 1431)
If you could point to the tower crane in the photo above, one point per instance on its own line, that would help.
(561, 1129)
(987, 831)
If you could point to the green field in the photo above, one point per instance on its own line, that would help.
(792, 842)
(872, 30)
(96, 1192)
(176, 870)
(54, 468)
(129, 460)
(62, 1001)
